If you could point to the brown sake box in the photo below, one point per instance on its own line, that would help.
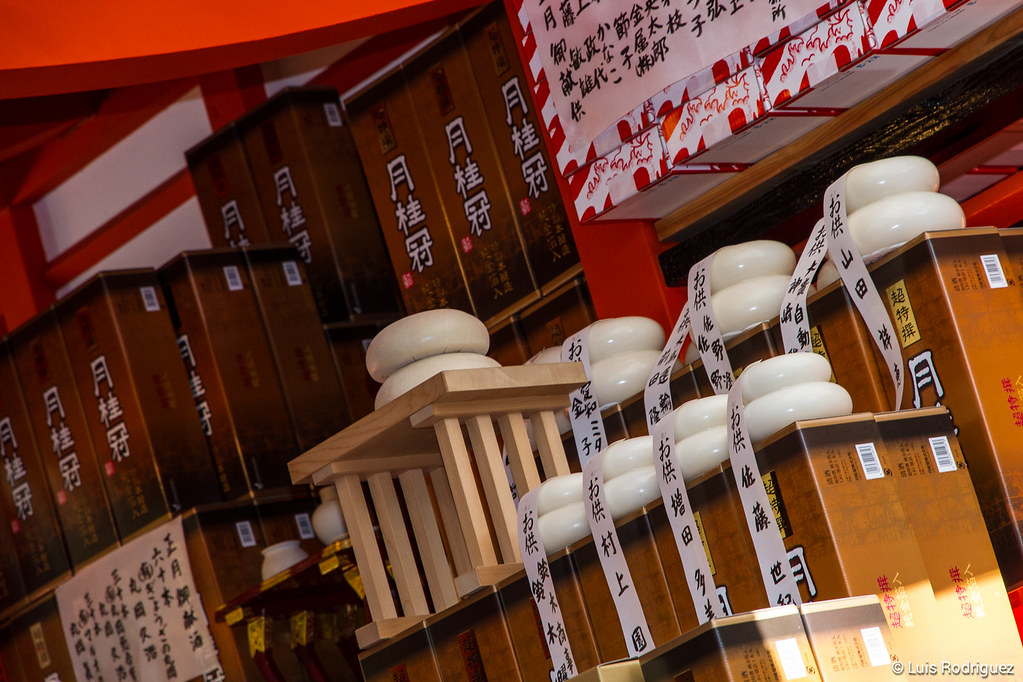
(137, 398)
(847, 534)
(639, 547)
(470, 180)
(406, 657)
(850, 639)
(230, 363)
(39, 638)
(619, 671)
(471, 640)
(314, 195)
(312, 389)
(726, 542)
(10, 663)
(348, 343)
(504, 92)
(225, 546)
(59, 423)
(1012, 241)
(12, 588)
(508, 343)
(837, 332)
(286, 515)
(758, 343)
(558, 315)
(769, 644)
(226, 191)
(26, 503)
(959, 343)
(412, 217)
(933, 482)
(526, 628)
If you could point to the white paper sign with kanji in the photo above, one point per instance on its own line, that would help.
(135, 614)
(602, 59)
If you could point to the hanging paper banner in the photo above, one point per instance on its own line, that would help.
(583, 410)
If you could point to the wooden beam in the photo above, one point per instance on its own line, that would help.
(120, 229)
(229, 94)
(122, 112)
(1000, 205)
(22, 260)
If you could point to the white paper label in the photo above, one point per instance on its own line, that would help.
(137, 600)
(706, 333)
(942, 454)
(993, 270)
(234, 279)
(604, 59)
(793, 318)
(291, 273)
(791, 658)
(661, 425)
(869, 461)
(149, 299)
(541, 585)
(876, 649)
(858, 283)
(305, 526)
(775, 567)
(245, 534)
(583, 410)
(333, 115)
(612, 560)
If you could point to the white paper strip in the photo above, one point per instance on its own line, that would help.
(706, 333)
(775, 568)
(793, 318)
(136, 614)
(858, 283)
(612, 560)
(583, 410)
(538, 573)
(661, 425)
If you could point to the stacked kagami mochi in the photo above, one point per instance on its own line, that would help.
(787, 388)
(630, 478)
(891, 201)
(701, 435)
(408, 352)
(561, 512)
(623, 352)
(747, 283)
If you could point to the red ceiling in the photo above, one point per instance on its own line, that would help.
(53, 46)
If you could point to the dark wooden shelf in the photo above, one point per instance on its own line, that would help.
(975, 87)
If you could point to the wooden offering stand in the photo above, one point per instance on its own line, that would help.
(419, 435)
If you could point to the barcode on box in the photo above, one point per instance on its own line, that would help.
(333, 115)
(942, 454)
(291, 273)
(245, 534)
(305, 526)
(791, 658)
(234, 279)
(149, 299)
(869, 460)
(993, 270)
(876, 649)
